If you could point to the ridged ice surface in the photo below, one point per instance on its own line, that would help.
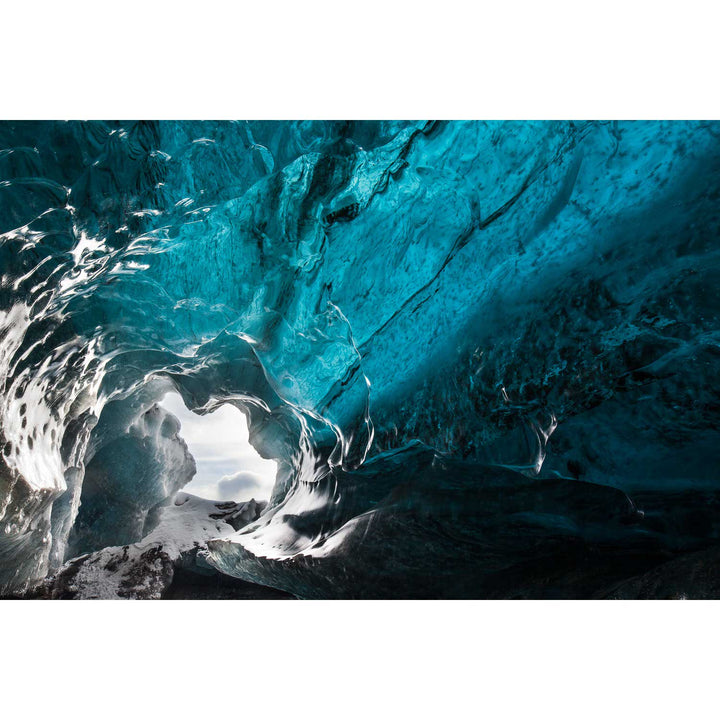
(485, 355)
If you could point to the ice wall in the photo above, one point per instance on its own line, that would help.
(357, 288)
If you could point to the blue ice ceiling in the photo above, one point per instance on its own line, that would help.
(484, 355)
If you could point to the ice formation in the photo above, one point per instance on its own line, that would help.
(484, 355)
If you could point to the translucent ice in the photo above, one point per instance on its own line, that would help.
(482, 354)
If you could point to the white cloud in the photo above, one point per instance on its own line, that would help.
(241, 485)
(226, 462)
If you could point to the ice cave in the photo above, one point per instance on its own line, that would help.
(458, 359)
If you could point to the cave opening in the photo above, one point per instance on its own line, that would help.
(229, 468)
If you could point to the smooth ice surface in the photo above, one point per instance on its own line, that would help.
(228, 467)
(483, 355)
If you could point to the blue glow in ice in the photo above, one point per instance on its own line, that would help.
(466, 345)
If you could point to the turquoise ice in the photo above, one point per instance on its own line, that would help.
(467, 345)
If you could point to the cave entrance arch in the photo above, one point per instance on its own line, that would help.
(228, 466)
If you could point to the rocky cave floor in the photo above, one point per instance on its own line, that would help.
(169, 563)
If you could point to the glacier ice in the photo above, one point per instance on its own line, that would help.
(484, 355)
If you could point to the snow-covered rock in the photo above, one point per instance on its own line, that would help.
(144, 570)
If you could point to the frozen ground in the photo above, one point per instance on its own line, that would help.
(146, 569)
